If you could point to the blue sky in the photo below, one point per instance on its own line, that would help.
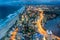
(30, 1)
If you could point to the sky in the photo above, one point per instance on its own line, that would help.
(29, 1)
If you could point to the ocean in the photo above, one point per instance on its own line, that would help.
(5, 10)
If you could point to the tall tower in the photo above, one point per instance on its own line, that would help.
(49, 32)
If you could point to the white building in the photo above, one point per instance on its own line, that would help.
(49, 32)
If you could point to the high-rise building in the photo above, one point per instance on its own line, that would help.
(49, 33)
